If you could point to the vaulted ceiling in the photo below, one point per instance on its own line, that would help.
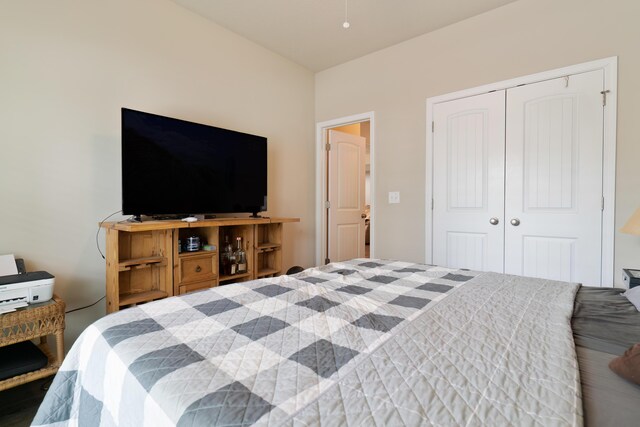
(310, 32)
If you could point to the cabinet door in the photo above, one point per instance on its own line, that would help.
(468, 189)
(553, 192)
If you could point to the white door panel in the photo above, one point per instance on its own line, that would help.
(549, 257)
(346, 176)
(468, 188)
(554, 179)
(467, 250)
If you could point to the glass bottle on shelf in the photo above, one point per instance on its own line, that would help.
(241, 257)
(225, 257)
(233, 267)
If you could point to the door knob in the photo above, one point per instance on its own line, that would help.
(363, 216)
(515, 222)
(494, 221)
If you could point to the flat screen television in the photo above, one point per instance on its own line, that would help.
(176, 167)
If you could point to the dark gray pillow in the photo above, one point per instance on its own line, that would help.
(633, 295)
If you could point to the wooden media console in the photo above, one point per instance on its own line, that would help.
(144, 262)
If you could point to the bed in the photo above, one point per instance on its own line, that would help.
(605, 324)
(363, 342)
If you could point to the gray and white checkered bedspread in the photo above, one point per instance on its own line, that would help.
(364, 342)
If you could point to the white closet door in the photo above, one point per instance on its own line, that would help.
(468, 187)
(554, 179)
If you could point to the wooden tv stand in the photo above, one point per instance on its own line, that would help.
(144, 263)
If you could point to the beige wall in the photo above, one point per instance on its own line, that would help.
(67, 67)
(521, 38)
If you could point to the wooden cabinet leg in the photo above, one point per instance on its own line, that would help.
(59, 348)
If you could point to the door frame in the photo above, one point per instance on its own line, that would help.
(321, 178)
(610, 68)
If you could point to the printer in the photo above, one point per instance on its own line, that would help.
(19, 290)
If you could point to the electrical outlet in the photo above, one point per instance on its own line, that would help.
(394, 197)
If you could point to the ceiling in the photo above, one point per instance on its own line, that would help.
(310, 33)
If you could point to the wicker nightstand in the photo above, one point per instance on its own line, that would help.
(35, 321)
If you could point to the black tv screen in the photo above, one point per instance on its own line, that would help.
(176, 167)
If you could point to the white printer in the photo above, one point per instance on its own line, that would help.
(19, 290)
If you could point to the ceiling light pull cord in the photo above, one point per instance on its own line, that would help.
(346, 23)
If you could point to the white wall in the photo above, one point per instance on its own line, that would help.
(521, 38)
(66, 69)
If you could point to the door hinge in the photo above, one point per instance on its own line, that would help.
(433, 127)
(327, 260)
(327, 204)
(328, 146)
(602, 206)
(604, 97)
(431, 204)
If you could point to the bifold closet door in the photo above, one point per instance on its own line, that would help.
(553, 197)
(468, 189)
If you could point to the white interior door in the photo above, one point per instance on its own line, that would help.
(346, 181)
(468, 189)
(553, 205)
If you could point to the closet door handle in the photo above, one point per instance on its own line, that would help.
(494, 221)
(515, 222)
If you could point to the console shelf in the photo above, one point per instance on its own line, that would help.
(266, 247)
(138, 297)
(267, 272)
(138, 263)
(144, 262)
(268, 259)
(234, 277)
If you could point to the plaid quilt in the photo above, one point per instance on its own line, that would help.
(364, 342)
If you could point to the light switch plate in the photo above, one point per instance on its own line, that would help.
(394, 197)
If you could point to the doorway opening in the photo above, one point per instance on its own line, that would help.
(345, 189)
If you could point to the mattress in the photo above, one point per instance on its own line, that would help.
(364, 342)
(605, 324)
(605, 320)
